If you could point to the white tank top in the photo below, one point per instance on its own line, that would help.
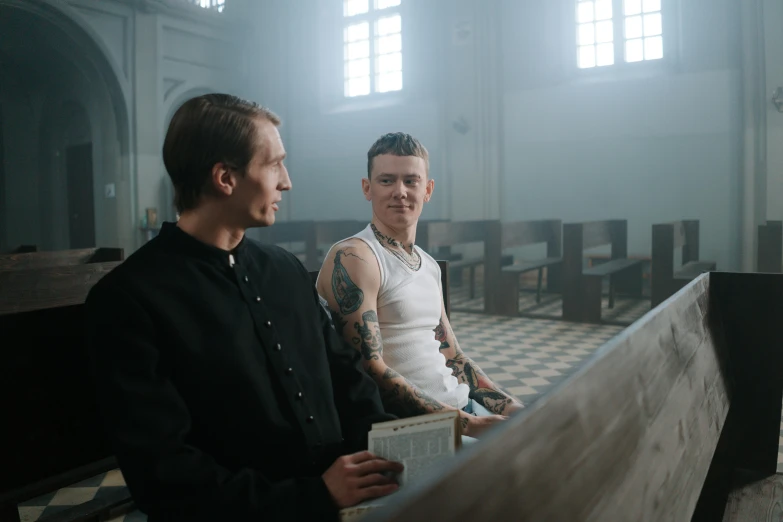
(409, 305)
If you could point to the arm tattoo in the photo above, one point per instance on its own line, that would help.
(369, 339)
(440, 335)
(481, 388)
(402, 398)
(349, 297)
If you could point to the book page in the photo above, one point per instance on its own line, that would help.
(417, 447)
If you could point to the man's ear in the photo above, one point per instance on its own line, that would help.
(429, 190)
(223, 178)
(366, 189)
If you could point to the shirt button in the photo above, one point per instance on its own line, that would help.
(299, 396)
(278, 347)
(289, 371)
(258, 299)
(246, 279)
(268, 324)
(310, 419)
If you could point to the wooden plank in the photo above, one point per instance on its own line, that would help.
(450, 233)
(636, 450)
(694, 269)
(523, 233)
(42, 288)
(527, 266)
(611, 267)
(46, 259)
(599, 233)
(770, 247)
(756, 499)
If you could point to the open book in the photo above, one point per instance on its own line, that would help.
(418, 442)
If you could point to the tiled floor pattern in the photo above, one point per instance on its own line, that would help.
(527, 357)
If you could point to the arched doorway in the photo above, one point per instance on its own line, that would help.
(64, 132)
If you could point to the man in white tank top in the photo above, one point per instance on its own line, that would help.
(385, 297)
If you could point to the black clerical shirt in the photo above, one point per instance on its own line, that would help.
(225, 392)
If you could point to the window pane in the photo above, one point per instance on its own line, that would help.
(584, 12)
(389, 25)
(653, 48)
(356, 68)
(587, 56)
(604, 31)
(603, 9)
(633, 27)
(389, 82)
(634, 50)
(586, 34)
(388, 44)
(633, 7)
(356, 50)
(652, 5)
(652, 24)
(355, 7)
(383, 4)
(389, 63)
(357, 32)
(604, 54)
(357, 86)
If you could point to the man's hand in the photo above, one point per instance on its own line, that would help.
(476, 426)
(358, 477)
(513, 408)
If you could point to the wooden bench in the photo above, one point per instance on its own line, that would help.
(444, 283)
(447, 234)
(34, 259)
(770, 247)
(667, 237)
(582, 287)
(677, 418)
(52, 435)
(524, 233)
(21, 249)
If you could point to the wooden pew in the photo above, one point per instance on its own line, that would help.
(444, 283)
(52, 435)
(582, 288)
(523, 233)
(666, 237)
(440, 234)
(770, 247)
(45, 259)
(677, 418)
(21, 249)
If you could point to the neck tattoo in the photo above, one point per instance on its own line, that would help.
(412, 260)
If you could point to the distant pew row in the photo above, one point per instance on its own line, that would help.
(53, 436)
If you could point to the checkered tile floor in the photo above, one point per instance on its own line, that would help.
(527, 357)
(625, 311)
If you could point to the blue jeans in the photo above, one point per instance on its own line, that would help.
(477, 409)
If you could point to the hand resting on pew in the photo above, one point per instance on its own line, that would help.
(418, 378)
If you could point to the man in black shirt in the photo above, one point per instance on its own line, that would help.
(225, 391)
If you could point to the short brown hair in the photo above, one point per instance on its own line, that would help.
(206, 130)
(397, 144)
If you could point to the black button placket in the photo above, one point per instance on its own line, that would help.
(282, 363)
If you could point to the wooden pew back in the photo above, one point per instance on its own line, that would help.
(53, 435)
(45, 259)
(653, 427)
(770, 247)
(666, 237)
(524, 233)
(435, 235)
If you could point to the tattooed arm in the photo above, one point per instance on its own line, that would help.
(482, 389)
(350, 280)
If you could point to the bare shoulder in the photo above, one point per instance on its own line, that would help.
(352, 259)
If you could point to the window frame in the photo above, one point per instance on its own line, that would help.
(371, 17)
(670, 26)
